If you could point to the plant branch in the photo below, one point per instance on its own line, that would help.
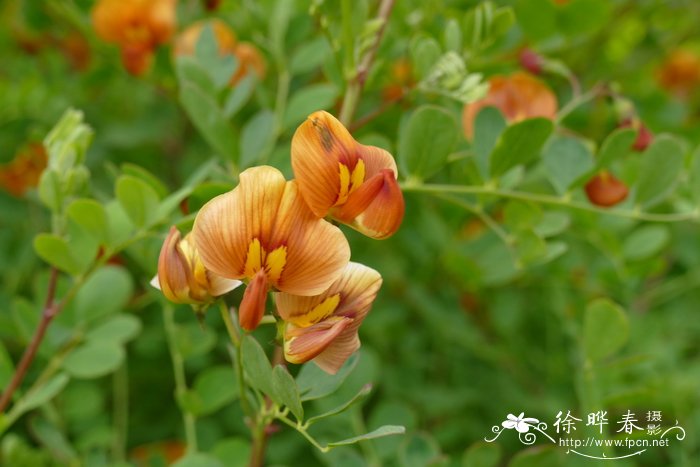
(179, 372)
(51, 309)
(357, 82)
(436, 189)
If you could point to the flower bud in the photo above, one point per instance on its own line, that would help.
(605, 190)
(182, 276)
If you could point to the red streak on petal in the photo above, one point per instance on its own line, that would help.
(253, 303)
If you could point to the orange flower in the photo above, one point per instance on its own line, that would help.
(248, 56)
(324, 327)
(136, 26)
(518, 97)
(605, 190)
(181, 275)
(24, 170)
(353, 183)
(680, 73)
(262, 231)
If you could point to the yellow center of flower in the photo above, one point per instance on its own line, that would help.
(318, 313)
(273, 262)
(350, 181)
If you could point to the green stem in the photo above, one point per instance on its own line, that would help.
(179, 372)
(579, 99)
(301, 429)
(438, 190)
(120, 382)
(368, 448)
(235, 337)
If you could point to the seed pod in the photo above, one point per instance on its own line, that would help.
(605, 190)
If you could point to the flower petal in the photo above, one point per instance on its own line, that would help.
(253, 304)
(357, 287)
(509, 424)
(226, 225)
(375, 160)
(303, 344)
(174, 274)
(316, 251)
(383, 215)
(319, 145)
(335, 355)
(522, 427)
(220, 285)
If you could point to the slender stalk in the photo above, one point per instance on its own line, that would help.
(51, 309)
(367, 448)
(436, 189)
(303, 432)
(263, 419)
(120, 382)
(234, 335)
(357, 82)
(179, 372)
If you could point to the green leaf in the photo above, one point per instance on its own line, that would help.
(530, 247)
(233, 452)
(239, 95)
(256, 137)
(522, 215)
(425, 52)
(363, 393)
(566, 160)
(139, 172)
(218, 66)
(286, 392)
(386, 430)
(552, 223)
(695, 175)
(118, 329)
(216, 386)
(94, 359)
(120, 226)
(91, 217)
(209, 120)
(482, 454)
(50, 436)
(310, 56)
(660, 168)
(426, 141)
(314, 383)
(645, 242)
(488, 126)
(105, 292)
(616, 146)
(44, 393)
(138, 199)
(308, 100)
(198, 459)
(605, 329)
(419, 450)
(453, 36)
(256, 365)
(56, 251)
(519, 144)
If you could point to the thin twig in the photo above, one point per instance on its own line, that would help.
(51, 309)
(357, 83)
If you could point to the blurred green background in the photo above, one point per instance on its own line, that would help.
(465, 330)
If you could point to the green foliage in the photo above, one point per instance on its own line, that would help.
(504, 280)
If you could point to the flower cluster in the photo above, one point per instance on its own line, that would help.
(272, 234)
(248, 56)
(137, 27)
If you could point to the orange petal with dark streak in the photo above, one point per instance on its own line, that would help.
(253, 304)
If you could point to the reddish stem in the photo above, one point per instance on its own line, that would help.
(50, 310)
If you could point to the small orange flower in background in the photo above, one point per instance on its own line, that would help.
(644, 135)
(182, 276)
(263, 232)
(605, 190)
(137, 27)
(24, 170)
(339, 177)
(518, 97)
(680, 73)
(249, 57)
(401, 79)
(323, 328)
